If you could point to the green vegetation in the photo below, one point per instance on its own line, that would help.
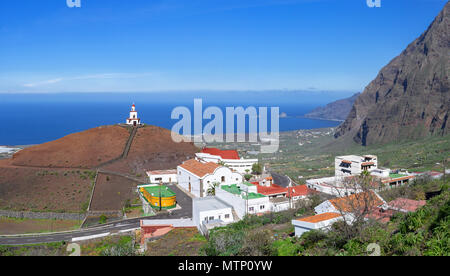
(246, 237)
(47, 249)
(257, 169)
(102, 219)
(111, 246)
(424, 232)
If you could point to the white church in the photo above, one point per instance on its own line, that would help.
(133, 120)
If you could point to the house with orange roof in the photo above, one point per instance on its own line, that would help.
(196, 177)
(352, 203)
(318, 222)
(230, 158)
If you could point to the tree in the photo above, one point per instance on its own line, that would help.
(356, 201)
(212, 189)
(257, 169)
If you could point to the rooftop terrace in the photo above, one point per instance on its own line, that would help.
(234, 189)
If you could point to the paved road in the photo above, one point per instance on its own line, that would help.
(280, 179)
(185, 212)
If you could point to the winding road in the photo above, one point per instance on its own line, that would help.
(183, 200)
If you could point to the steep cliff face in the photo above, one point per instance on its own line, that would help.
(409, 98)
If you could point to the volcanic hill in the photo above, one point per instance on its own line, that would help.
(150, 147)
(409, 99)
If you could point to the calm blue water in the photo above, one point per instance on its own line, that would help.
(34, 119)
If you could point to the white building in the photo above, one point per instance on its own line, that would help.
(349, 165)
(210, 212)
(244, 199)
(318, 222)
(197, 177)
(133, 120)
(332, 185)
(230, 158)
(164, 176)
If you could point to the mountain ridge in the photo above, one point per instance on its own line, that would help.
(409, 98)
(337, 110)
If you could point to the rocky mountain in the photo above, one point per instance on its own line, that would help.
(337, 110)
(409, 98)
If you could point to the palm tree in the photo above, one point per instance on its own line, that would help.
(212, 189)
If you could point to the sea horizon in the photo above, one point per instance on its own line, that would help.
(40, 118)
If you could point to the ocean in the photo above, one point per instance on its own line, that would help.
(37, 118)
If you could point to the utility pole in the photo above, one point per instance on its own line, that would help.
(160, 201)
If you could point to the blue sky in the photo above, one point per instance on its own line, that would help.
(163, 45)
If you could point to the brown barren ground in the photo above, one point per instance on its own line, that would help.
(153, 149)
(32, 189)
(22, 188)
(24, 226)
(112, 192)
(85, 149)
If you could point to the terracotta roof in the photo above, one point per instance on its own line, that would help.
(406, 204)
(198, 168)
(158, 172)
(353, 202)
(301, 190)
(346, 161)
(271, 190)
(367, 163)
(398, 179)
(225, 154)
(320, 217)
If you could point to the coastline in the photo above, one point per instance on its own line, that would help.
(322, 119)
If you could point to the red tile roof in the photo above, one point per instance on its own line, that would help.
(406, 204)
(353, 202)
(225, 154)
(320, 217)
(198, 168)
(274, 189)
(301, 190)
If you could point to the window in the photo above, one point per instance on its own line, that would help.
(262, 207)
(227, 216)
(211, 218)
(251, 209)
(223, 179)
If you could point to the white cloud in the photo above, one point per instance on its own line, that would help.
(89, 77)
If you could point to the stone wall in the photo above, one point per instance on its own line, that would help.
(38, 215)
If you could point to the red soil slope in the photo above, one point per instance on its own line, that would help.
(55, 190)
(153, 149)
(85, 149)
